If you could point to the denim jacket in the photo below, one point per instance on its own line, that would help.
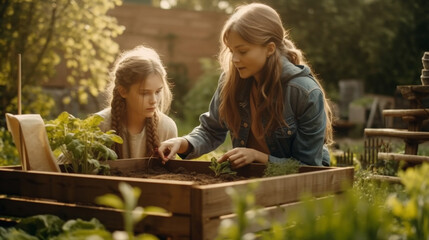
(303, 111)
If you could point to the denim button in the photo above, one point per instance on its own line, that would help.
(289, 132)
(242, 142)
(245, 125)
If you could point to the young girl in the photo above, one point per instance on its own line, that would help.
(140, 98)
(267, 98)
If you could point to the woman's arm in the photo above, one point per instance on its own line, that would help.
(311, 124)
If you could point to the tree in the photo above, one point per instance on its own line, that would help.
(75, 33)
(379, 41)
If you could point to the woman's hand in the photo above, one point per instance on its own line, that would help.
(167, 150)
(240, 157)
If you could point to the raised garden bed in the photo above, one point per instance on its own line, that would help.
(196, 209)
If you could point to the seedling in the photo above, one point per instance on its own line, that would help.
(221, 168)
(132, 214)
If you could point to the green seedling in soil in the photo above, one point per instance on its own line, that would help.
(221, 168)
(277, 169)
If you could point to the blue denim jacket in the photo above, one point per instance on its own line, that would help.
(304, 113)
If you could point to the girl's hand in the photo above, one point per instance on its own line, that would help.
(169, 148)
(240, 157)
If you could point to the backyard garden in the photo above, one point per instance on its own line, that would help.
(377, 186)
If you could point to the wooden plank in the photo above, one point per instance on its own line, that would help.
(278, 214)
(383, 178)
(71, 188)
(129, 164)
(413, 92)
(396, 133)
(406, 112)
(174, 225)
(14, 167)
(403, 157)
(278, 190)
(197, 218)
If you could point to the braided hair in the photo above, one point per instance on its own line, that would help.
(133, 66)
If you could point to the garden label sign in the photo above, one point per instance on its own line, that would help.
(29, 134)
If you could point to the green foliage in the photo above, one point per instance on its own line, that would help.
(412, 210)
(52, 227)
(350, 217)
(366, 186)
(197, 100)
(354, 32)
(221, 168)
(359, 213)
(13, 233)
(388, 36)
(41, 226)
(81, 229)
(131, 213)
(284, 168)
(8, 151)
(44, 227)
(82, 143)
(76, 34)
(247, 214)
(178, 73)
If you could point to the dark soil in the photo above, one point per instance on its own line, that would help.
(179, 174)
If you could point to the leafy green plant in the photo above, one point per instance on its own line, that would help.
(221, 168)
(80, 35)
(247, 214)
(8, 151)
(131, 213)
(198, 97)
(347, 217)
(277, 169)
(52, 227)
(82, 144)
(412, 209)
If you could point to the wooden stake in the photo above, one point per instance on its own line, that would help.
(19, 84)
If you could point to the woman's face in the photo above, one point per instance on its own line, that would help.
(248, 58)
(143, 96)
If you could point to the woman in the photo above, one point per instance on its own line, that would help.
(140, 98)
(267, 98)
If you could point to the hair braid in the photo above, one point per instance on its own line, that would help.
(152, 138)
(117, 111)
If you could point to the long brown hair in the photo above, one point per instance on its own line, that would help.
(130, 67)
(260, 24)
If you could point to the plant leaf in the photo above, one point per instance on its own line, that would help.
(110, 200)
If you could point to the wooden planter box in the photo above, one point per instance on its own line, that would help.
(196, 210)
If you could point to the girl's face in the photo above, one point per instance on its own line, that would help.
(249, 59)
(143, 96)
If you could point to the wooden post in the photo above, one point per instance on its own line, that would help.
(19, 85)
